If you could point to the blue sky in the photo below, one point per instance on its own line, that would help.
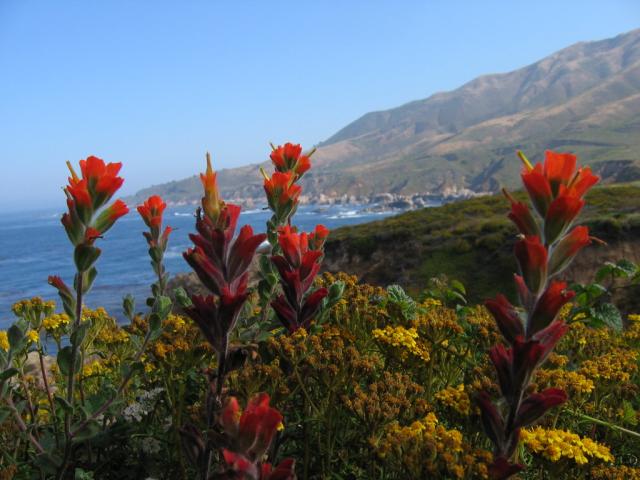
(155, 84)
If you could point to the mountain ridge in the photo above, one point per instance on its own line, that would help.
(584, 98)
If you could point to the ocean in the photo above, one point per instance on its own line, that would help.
(34, 246)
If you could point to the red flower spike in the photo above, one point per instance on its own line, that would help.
(280, 190)
(524, 220)
(523, 292)
(72, 223)
(151, 211)
(239, 464)
(536, 405)
(548, 338)
(318, 237)
(216, 318)
(79, 190)
(502, 359)
(298, 267)
(59, 285)
(522, 216)
(567, 248)
(230, 416)
(102, 179)
(492, 421)
(561, 213)
(110, 215)
(506, 317)
(292, 244)
(583, 181)
(211, 203)
(548, 305)
(284, 471)
(501, 469)
(532, 259)
(288, 157)
(255, 427)
(538, 188)
(559, 168)
(286, 314)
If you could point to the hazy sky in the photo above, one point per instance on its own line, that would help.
(155, 84)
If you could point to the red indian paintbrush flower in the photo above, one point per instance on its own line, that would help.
(288, 157)
(211, 203)
(532, 259)
(567, 248)
(103, 179)
(281, 190)
(110, 215)
(298, 266)
(555, 189)
(558, 169)
(318, 237)
(151, 211)
(251, 431)
(545, 182)
(506, 317)
(561, 213)
(549, 304)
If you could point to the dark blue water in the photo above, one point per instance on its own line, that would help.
(34, 246)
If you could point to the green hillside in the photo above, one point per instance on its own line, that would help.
(472, 241)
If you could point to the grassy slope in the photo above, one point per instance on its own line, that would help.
(470, 240)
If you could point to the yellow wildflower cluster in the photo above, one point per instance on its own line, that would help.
(55, 323)
(180, 338)
(4, 340)
(632, 333)
(616, 366)
(573, 383)
(93, 368)
(555, 445)
(610, 472)
(355, 309)
(431, 302)
(33, 306)
(405, 339)
(440, 320)
(426, 449)
(393, 397)
(94, 316)
(111, 334)
(33, 336)
(455, 398)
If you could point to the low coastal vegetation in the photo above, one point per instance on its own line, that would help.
(291, 374)
(472, 241)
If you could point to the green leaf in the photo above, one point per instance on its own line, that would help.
(66, 406)
(182, 298)
(458, 286)
(85, 256)
(609, 315)
(129, 305)
(629, 414)
(64, 360)
(162, 307)
(16, 336)
(336, 291)
(8, 373)
(88, 277)
(80, 333)
(155, 326)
